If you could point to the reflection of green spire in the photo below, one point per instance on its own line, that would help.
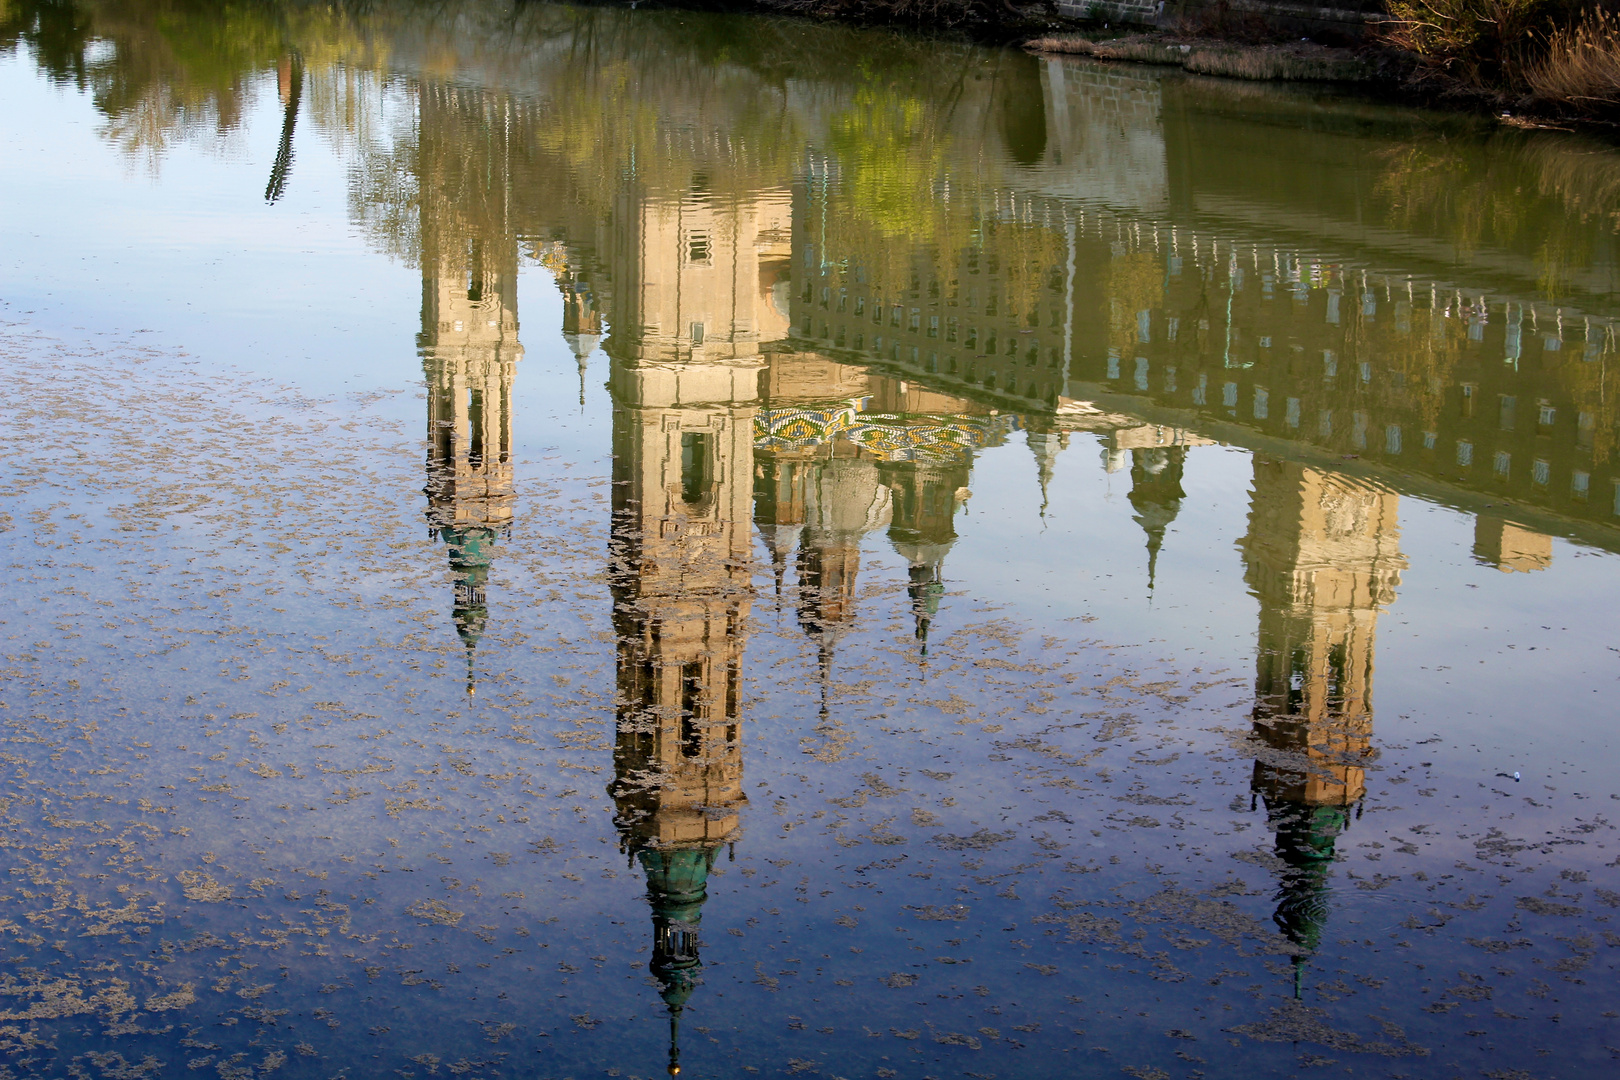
(470, 553)
(1156, 495)
(1306, 836)
(677, 885)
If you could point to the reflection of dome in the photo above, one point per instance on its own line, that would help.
(1306, 836)
(1156, 496)
(780, 540)
(1046, 445)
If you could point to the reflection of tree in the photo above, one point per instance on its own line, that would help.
(1134, 288)
(179, 69)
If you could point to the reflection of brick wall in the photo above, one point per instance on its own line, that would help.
(1348, 16)
(1121, 11)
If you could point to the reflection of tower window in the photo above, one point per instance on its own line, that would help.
(697, 333)
(475, 425)
(475, 273)
(697, 248)
(696, 466)
(691, 702)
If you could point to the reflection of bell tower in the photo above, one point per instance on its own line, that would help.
(470, 351)
(926, 497)
(469, 338)
(1322, 557)
(685, 376)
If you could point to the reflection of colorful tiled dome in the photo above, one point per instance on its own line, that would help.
(892, 437)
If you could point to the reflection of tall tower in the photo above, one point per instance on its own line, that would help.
(1323, 557)
(470, 351)
(926, 497)
(1156, 495)
(685, 376)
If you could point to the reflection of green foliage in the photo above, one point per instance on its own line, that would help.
(1550, 200)
(176, 69)
(892, 154)
(1135, 283)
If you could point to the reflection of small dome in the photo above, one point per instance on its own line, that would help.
(781, 539)
(1114, 460)
(582, 344)
(849, 499)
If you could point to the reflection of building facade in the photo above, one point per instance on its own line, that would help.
(1322, 557)
(685, 376)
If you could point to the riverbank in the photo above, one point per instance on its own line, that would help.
(1557, 65)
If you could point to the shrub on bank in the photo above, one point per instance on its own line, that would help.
(1561, 51)
(1582, 65)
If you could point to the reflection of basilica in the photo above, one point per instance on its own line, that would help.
(1323, 557)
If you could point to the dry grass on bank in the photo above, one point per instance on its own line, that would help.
(1291, 62)
(1582, 66)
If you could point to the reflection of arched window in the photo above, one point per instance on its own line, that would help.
(697, 466)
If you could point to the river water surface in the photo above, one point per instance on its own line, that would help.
(563, 542)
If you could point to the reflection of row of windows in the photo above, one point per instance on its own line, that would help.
(1031, 352)
(1394, 435)
(1507, 406)
(995, 378)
